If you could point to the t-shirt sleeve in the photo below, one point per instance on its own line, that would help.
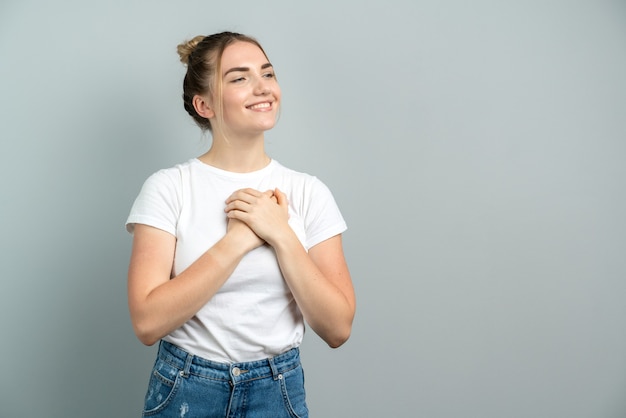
(323, 218)
(158, 203)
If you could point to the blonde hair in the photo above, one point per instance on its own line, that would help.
(203, 57)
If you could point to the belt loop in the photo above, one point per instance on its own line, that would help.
(188, 361)
(273, 367)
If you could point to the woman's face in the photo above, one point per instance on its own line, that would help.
(250, 92)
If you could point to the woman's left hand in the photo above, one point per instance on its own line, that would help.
(266, 213)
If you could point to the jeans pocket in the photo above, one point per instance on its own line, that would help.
(292, 387)
(164, 382)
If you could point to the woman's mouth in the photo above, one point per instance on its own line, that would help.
(260, 106)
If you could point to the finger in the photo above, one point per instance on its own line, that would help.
(237, 214)
(244, 194)
(239, 205)
(281, 198)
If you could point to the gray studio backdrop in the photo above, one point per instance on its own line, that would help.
(477, 150)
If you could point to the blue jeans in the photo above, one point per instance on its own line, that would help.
(184, 385)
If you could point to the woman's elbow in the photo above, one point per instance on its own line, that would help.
(145, 333)
(147, 340)
(338, 340)
(338, 337)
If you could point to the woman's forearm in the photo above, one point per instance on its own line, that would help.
(321, 285)
(158, 304)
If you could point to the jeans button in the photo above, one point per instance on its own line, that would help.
(236, 371)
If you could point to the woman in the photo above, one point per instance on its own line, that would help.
(232, 252)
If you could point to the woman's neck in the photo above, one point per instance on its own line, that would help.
(236, 156)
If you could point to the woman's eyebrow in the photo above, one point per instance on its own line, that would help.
(244, 69)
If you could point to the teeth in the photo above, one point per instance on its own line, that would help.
(260, 106)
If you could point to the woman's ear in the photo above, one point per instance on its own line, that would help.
(203, 107)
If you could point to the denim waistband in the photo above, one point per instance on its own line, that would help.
(235, 372)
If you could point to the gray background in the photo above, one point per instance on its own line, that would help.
(477, 150)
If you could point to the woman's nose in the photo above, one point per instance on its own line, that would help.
(262, 86)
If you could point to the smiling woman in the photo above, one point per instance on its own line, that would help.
(248, 96)
(233, 252)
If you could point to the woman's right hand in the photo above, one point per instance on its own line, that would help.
(249, 239)
(245, 236)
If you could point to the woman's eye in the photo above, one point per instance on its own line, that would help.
(269, 75)
(237, 80)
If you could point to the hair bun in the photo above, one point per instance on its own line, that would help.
(186, 48)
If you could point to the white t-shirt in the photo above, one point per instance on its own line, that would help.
(254, 314)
